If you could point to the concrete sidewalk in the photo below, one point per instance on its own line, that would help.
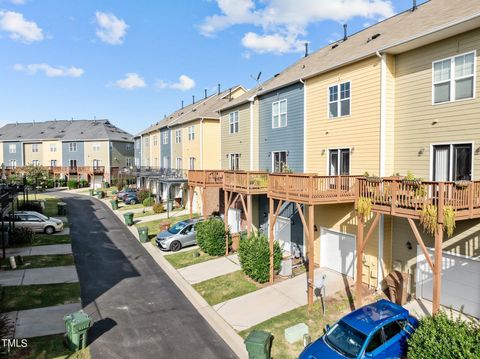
(210, 269)
(40, 250)
(41, 321)
(256, 307)
(51, 275)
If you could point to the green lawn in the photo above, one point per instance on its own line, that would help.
(128, 207)
(154, 226)
(144, 214)
(51, 209)
(37, 296)
(43, 261)
(47, 239)
(185, 259)
(48, 347)
(225, 287)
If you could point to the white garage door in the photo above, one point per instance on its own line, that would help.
(234, 219)
(283, 234)
(460, 286)
(337, 251)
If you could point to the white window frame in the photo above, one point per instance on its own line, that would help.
(279, 115)
(178, 163)
(147, 142)
(35, 147)
(72, 147)
(453, 78)
(53, 163)
(128, 162)
(35, 163)
(13, 163)
(155, 140)
(129, 146)
(236, 164)
(233, 125)
(451, 144)
(273, 159)
(191, 161)
(53, 147)
(178, 136)
(165, 138)
(12, 148)
(191, 133)
(339, 100)
(339, 149)
(96, 147)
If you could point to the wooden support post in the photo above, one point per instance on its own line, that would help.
(227, 197)
(270, 235)
(437, 272)
(204, 199)
(311, 259)
(359, 263)
(249, 214)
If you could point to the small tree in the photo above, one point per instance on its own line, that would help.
(37, 177)
(211, 237)
(147, 202)
(143, 194)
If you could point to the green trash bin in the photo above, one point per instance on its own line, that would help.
(114, 204)
(92, 192)
(128, 218)
(143, 234)
(76, 325)
(62, 208)
(114, 192)
(100, 194)
(259, 344)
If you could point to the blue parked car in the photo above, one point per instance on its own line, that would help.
(379, 330)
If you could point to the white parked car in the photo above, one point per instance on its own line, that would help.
(37, 222)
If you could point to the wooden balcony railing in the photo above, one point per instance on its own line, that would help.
(246, 182)
(311, 188)
(205, 178)
(407, 198)
(97, 170)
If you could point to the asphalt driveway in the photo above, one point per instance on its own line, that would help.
(138, 311)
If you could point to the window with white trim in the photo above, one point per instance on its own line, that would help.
(155, 140)
(234, 161)
(12, 148)
(146, 141)
(454, 78)
(72, 147)
(233, 121)
(165, 138)
(53, 163)
(34, 147)
(339, 100)
(178, 136)
(53, 147)
(179, 163)
(279, 159)
(96, 147)
(35, 162)
(192, 163)
(452, 162)
(128, 161)
(129, 146)
(279, 114)
(13, 163)
(339, 162)
(191, 133)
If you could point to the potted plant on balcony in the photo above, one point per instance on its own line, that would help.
(462, 184)
(372, 177)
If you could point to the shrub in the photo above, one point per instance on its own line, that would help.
(143, 194)
(441, 336)
(71, 184)
(149, 201)
(62, 182)
(50, 183)
(254, 255)
(22, 235)
(83, 183)
(211, 237)
(6, 329)
(158, 208)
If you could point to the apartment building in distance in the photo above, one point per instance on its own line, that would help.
(79, 149)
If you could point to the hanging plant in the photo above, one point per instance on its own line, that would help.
(428, 218)
(449, 219)
(364, 206)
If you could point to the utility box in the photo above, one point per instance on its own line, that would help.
(143, 234)
(62, 208)
(92, 192)
(128, 218)
(76, 325)
(259, 344)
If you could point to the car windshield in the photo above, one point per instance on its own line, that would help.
(177, 227)
(345, 339)
(42, 216)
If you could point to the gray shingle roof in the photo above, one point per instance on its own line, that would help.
(64, 131)
(428, 17)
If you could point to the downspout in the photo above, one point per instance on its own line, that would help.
(304, 125)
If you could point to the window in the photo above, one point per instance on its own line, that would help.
(128, 162)
(155, 140)
(191, 133)
(179, 163)
(166, 162)
(392, 329)
(72, 147)
(339, 100)
(13, 163)
(454, 78)
(96, 163)
(96, 147)
(339, 162)
(375, 341)
(73, 163)
(165, 138)
(12, 148)
(233, 122)
(192, 163)
(53, 163)
(234, 161)
(279, 114)
(155, 162)
(35, 162)
(129, 146)
(53, 147)
(178, 136)
(452, 162)
(279, 161)
(146, 141)
(35, 147)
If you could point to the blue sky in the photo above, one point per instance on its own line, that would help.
(134, 61)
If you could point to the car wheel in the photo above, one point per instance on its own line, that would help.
(49, 230)
(133, 201)
(175, 246)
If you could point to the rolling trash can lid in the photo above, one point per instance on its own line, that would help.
(258, 341)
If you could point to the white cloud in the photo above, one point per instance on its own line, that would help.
(19, 28)
(131, 81)
(284, 22)
(18, 2)
(50, 71)
(184, 83)
(110, 29)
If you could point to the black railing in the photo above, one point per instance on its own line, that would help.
(166, 173)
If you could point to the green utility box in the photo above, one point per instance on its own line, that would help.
(100, 194)
(114, 192)
(62, 208)
(114, 204)
(128, 218)
(77, 325)
(259, 344)
(143, 234)
(92, 192)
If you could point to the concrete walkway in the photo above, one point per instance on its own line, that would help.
(256, 307)
(51, 275)
(210, 269)
(40, 250)
(421, 307)
(42, 321)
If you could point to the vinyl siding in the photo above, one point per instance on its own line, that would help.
(236, 142)
(191, 148)
(101, 156)
(289, 138)
(137, 152)
(155, 149)
(255, 137)
(30, 156)
(119, 154)
(146, 150)
(390, 126)
(211, 144)
(176, 148)
(359, 131)
(48, 156)
(415, 115)
(78, 155)
(18, 155)
(165, 150)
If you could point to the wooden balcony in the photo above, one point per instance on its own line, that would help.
(311, 188)
(245, 182)
(407, 198)
(205, 178)
(91, 170)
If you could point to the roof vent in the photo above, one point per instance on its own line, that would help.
(306, 49)
(345, 37)
(334, 46)
(276, 75)
(414, 5)
(374, 36)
